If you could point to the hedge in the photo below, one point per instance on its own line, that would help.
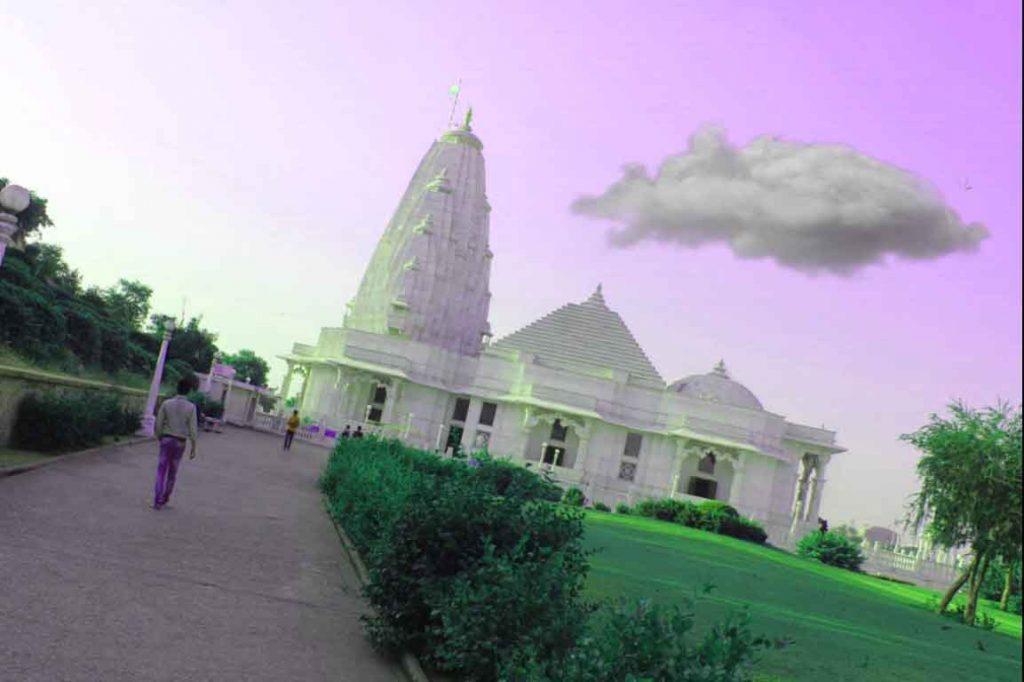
(479, 571)
(713, 516)
(68, 420)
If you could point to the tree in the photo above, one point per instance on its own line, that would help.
(48, 264)
(128, 302)
(248, 365)
(970, 489)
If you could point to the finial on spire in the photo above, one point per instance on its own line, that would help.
(597, 296)
(469, 119)
(720, 369)
(453, 92)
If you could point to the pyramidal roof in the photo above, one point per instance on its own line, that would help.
(588, 334)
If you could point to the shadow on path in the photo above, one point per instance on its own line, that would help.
(241, 577)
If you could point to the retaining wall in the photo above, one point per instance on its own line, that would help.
(17, 382)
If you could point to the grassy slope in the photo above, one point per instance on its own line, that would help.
(844, 626)
(124, 378)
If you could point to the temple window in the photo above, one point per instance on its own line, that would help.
(702, 487)
(375, 410)
(707, 464)
(461, 409)
(627, 470)
(558, 431)
(487, 412)
(633, 443)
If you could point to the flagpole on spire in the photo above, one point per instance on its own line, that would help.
(454, 93)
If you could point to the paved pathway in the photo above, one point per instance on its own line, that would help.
(241, 577)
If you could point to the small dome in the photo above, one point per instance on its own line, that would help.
(717, 387)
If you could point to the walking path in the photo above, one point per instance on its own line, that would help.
(240, 577)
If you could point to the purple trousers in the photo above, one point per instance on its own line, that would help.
(171, 450)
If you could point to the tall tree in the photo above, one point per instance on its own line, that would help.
(970, 494)
(249, 365)
(128, 302)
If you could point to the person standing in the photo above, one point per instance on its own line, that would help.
(292, 427)
(347, 433)
(358, 432)
(176, 425)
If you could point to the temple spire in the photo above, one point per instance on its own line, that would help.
(720, 369)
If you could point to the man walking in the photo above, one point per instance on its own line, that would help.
(175, 425)
(291, 428)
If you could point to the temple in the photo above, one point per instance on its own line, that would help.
(572, 393)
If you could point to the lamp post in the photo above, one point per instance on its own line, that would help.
(149, 418)
(208, 384)
(13, 200)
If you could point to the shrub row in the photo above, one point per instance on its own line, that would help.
(475, 567)
(206, 405)
(66, 420)
(713, 516)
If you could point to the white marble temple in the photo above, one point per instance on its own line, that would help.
(572, 392)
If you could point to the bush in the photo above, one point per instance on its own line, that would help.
(206, 405)
(831, 548)
(675, 511)
(601, 507)
(573, 497)
(53, 422)
(468, 565)
(645, 641)
(623, 508)
(743, 529)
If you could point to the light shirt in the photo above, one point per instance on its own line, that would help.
(177, 417)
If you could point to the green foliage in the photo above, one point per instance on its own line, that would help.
(623, 508)
(206, 405)
(601, 507)
(646, 641)
(478, 571)
(47, 318)
(468, 565)
(128, 303)
(248, 366)
(573, 497)
(712, 515)
(67, 420)
(970, 473)
(831, 548)
(33, 218)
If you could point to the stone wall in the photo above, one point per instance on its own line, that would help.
(16, 383)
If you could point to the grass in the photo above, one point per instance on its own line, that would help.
(842, 625)
(15, 458)
(126, 379)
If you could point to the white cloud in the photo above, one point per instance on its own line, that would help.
(812, 207)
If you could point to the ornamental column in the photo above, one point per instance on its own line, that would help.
(738, 465)
(799, 506)
(147, 427)
(286, 385)
(817, 489)
(13, 200)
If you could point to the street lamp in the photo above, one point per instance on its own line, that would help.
(13, 200)
(148, 417)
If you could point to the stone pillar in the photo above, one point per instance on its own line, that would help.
(818, 489)
(394, 393)
(800, 505)
(581, 449)
(683, 453)
(13, 200)
(147, 427)
(286, 385)
(305, 384)
(738, 465)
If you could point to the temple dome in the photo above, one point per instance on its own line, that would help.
(717, 387)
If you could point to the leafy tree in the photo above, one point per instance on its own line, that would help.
(248, 365)
(190, 343)
(128, 302)
(971, 489)
(850, 532)
(48, 264)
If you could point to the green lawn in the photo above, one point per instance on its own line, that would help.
(844, 626)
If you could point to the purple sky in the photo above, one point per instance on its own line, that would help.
(246, 156)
